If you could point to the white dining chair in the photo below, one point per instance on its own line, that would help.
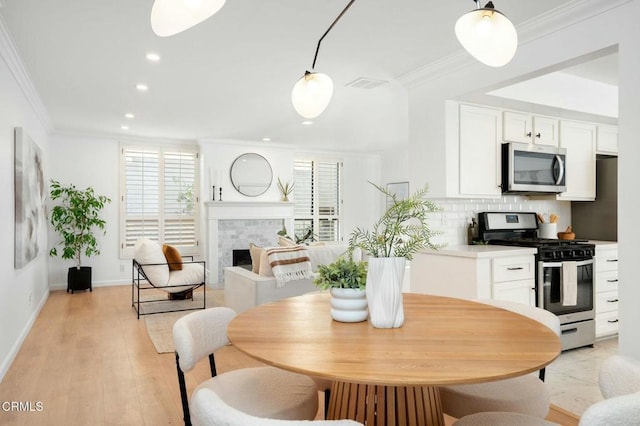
(619, 383)
(526, 394)
(267, 392)
(208, 409)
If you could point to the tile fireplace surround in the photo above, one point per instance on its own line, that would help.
(235, 224)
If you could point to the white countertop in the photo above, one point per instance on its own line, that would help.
(604, 244)
(481, 251)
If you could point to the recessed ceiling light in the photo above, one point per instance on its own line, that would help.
(129, 115)
(142, 87)
(307, 122)
(124, 127)
(266, 139)
(153, 57)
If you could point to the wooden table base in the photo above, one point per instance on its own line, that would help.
(386, 405)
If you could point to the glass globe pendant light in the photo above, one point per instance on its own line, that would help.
(312, 93)
(169, 17)
(487, 35)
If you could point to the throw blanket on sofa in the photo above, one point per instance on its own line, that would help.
(289, 263)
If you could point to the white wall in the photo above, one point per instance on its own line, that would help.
(89, 160)
(23, 291)
(586, 35)
(362, 205)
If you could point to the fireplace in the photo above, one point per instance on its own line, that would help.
(233, 225)
(242, 258)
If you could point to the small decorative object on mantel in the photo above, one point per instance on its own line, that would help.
(346, 279)
(285, 189)
(220, 197)
(396, 236)
(213, 198)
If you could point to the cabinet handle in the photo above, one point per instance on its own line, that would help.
(538, 135)
(612, 300)
(612, 281)
(529, 134)
(612, 321)
(519, 268)
(612, 260)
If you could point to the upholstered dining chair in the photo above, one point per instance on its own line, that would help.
(526, 394)
(208, 409)
(267, 392)
(619, 383)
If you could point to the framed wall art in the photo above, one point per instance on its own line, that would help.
(30, 193)
(399, 189)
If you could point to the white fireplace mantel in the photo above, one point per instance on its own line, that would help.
(217, 211)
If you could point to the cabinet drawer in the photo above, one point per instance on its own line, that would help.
(606, 323)
(606, 260)
(607, 281)
(513, 268)
(606, 302)
(521, 291)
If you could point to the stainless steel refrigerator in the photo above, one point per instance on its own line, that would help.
(598, 220)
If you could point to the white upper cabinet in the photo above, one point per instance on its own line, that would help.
(579, 139)
(525, 128)
(607, 142)
(479, 151)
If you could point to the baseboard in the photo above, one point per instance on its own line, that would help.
(6, 363)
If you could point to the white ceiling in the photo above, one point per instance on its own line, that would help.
(231, 76)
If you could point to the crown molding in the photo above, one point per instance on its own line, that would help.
(551, 21)
(10, 56)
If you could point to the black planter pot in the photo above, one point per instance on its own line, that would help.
(79, 279)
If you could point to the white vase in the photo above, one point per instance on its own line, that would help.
(384, 291)
(348, 305)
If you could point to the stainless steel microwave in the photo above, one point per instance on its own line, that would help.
(533, 169)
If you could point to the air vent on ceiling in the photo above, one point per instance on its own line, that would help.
(366, 83)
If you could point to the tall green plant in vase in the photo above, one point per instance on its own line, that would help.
(76, 217)
(400, 232)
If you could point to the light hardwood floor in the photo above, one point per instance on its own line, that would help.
(89, 361)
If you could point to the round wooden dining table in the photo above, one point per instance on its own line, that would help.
(391, 376)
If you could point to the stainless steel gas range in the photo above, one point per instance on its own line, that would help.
(564, 272)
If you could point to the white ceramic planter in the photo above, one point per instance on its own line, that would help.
(384, 291)
(348, 305)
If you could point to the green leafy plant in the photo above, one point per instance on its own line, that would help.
(285, 189)
(401, 231)
(75, 218)
(343, 273)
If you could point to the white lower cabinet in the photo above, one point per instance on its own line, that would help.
(476, 272)
(606, 289)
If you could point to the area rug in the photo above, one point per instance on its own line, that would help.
(160, 326)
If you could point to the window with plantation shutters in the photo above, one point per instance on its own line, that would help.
(159, 201)
(317, 199)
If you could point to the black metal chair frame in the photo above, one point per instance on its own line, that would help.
(140, 282)
(183, 386)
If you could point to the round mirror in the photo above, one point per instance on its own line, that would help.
(251, 174)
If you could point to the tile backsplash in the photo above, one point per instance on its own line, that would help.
(456, 213)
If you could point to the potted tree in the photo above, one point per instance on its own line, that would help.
(76, 217)
(401, 231)
(345, 278)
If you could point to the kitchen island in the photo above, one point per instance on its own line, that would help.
(476, 272)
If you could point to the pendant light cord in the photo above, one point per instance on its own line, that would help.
(315, 57)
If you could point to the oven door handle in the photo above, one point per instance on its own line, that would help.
(559, 264)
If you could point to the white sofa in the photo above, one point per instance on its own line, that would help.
(244, 289)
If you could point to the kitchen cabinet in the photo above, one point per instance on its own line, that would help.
(579, 139)
(476, 272)
(479, 152)
(607, 140)
(525, 128)
(606, 289)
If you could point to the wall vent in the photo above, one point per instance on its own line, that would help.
(366, 83)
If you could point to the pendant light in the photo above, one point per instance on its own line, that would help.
(487, 35)
(312, 93)
(169, 17)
